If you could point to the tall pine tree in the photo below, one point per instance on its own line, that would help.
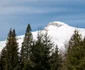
(3, 59)
(75, 39)
(12, 62)
(75, 59)
(41, 52)
(56, 60)
(48, 44)
(37, 53)
(25, 49)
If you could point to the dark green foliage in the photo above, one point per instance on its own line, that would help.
(12, 62)
(38, 55)
(25, 49)
(41, 53)
(48, 50)
(34, 55)
(3, 59)
(83, 43)
(75, 59)
(75, 39)
(56, 60)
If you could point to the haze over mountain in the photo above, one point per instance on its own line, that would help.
(59, 32)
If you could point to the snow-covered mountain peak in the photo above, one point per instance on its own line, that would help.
(59, 32)
(57, 23)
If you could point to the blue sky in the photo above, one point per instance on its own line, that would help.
(18, 13)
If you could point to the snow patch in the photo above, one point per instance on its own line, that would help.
(59, 32)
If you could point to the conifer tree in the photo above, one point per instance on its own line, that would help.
(41, 52)
(3, 59)
(48, 44)
(25, 49)
(37, 53)
(56, 60)
(82, 55)
(12, 62)
(75, 54)
(75, 39)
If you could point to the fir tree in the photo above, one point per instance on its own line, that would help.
(75, 55)
(41, 52)
(75, 39)
(25, 49)
(12, 62)
(37, 53)
(56, 60)
(3, 59)
(48, 44)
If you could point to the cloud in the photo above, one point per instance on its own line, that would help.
(34, 6)
(29, 10)
(18, 13)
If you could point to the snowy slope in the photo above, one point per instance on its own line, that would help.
(58, 31)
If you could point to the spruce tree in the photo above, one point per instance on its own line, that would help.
(56, 60)
(3, 59)
(82, 55)
(25, 49)
(75, 39)
(12, 62)
(37, 53)
(48, 44)
(41, 52)
(75, 54)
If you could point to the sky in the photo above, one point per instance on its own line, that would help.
(17, 14)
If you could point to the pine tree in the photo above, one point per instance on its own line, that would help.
(56, 60)
(25, 49)
(12, 62)
(37, 53)
(3, 59)
(75, 55)
(75, 39)
(41, 52)
(81, 66)
(48, 44)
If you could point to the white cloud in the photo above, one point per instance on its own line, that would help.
(8, 7)
(60, 7)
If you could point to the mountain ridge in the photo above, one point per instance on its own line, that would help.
(59, 32)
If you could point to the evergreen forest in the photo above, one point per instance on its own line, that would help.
(40, 55)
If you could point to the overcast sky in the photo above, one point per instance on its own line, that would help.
(18, 13)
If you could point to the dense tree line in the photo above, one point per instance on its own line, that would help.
(75, 57)
(34, 55)
(9, 58)
(39, 55)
